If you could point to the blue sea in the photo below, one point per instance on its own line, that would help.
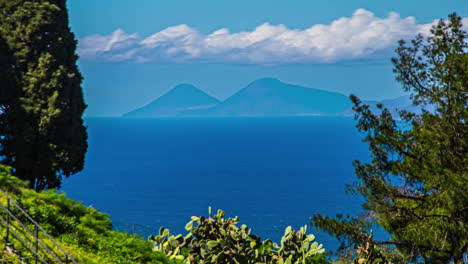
(271, 172)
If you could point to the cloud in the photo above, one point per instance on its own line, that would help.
(117, 46)
(361, 36)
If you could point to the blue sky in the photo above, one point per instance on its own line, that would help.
(134, 51)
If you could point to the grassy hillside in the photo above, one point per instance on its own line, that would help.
(83, 231)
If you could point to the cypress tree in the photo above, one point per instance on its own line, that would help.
(42, 132)
(416, 185)
(6, 80)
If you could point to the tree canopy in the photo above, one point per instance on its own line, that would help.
(42, 134)
(416, 184)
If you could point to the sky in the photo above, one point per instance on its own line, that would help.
(132, 52)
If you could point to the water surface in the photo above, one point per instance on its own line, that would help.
(271, 172)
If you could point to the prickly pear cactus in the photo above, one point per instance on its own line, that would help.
(297, 247)
(219, 240)
(175, 247)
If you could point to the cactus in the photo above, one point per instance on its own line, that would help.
(298, 247)
(219, 240)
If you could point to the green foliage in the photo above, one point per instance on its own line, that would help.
(113, 247)
(58, 214)
(416, 185)
(8, 182)
(83, 231)
(41, 130)
(369, 253)
(350, 231)
(219, 240)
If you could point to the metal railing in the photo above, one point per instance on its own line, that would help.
(38, 246)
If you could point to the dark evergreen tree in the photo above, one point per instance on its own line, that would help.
(6, 80)
(416, 185)
(42, 133)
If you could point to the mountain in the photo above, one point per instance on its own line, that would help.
(181, 98)
(263, 97)
(271, 97)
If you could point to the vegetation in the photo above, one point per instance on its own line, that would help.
(42, 135)
(83, 231)
(219, 240)
(416, 186)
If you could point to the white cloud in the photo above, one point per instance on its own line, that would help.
(118, 46)
(361, 36)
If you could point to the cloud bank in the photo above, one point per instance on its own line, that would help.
(361, 36)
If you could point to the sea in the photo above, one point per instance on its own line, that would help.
(271, 172)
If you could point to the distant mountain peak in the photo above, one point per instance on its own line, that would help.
(180, 98)
(266, 81)
(186, 89)
(185, 86)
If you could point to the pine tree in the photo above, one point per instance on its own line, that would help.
(416, 186)
(42, 133)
